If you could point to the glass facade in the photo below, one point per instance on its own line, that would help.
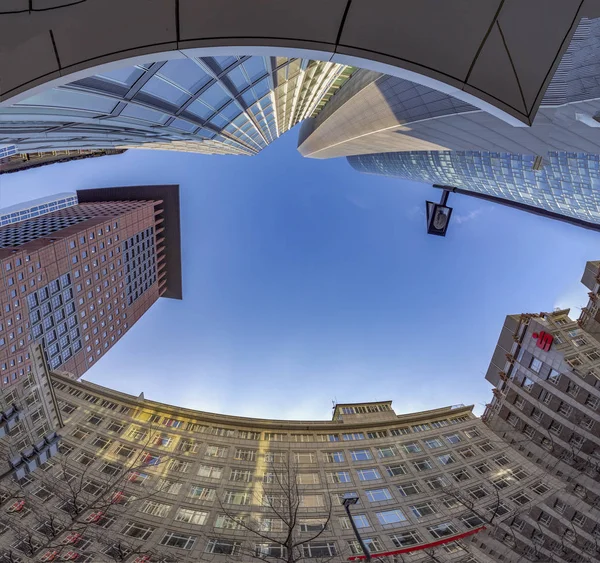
(563, 183)
(36, 208)
(214, 105)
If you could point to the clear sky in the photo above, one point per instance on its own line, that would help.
(306, 282)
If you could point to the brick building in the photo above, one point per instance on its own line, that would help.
(77, 279)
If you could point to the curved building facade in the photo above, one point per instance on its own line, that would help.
(457, 46)
(142, 481)
(212, 105)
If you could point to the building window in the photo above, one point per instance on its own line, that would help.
(334, 457)
(411, 448)
(433, 443)
(319, 549)
(395, 470)
(477, 492)
(361, 455)
(210, 471)
(406, 539)
(422, 465)
(446, 459)
(189, 516)
(391, 517)
(370, 474)
(573, 389)
(387, 451)
(535, 365)
(353, 436)
(360, 521)
(408, 489)
(339, 477)
(423, 509)
(378, 495)
(137, 530)
(520, 499)
(442, 530)
(528, 384)
(181, 541)
(555, 427)
(453, 438)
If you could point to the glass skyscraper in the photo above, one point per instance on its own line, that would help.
(214, 105)
(564, 183)
(36, 207)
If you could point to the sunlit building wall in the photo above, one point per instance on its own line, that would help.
(181, 478)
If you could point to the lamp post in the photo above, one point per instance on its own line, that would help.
(349, 500)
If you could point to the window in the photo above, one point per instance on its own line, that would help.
(420, 427)
(433, 443)
(519, 402)
(137, 530)
(189, 516)
(95, 419)
(242, 475)
(471, 521)
(210, 471)
(554, 377)
(311, 501)
(535, 365)
(520, 499)
(377, 495)
(423, 465)
(391, 517)
(411, 447)
(319, 549)
(555, 427)
(370, 474)
(338, 477)
(116, 427)
(202, 493)
(375, 434)
(373, 544)
(245, 455)
(387, 451)
(565, 409)
(592, 402)
(407, 489)
(423, 509)
(399, 431)
(228, 523)
(442, 530)
(446, 459)
(237, 497)
(334, 457)
(396, 469)
(307, 478)
(477, 492)
(361, 455)
(215, 451)
(437, 483)
(274, 437)
(182, 541)
(453, 438)
(406, 538)
(304, 457)
(156, 509)
(461, 475)
(472, 433)
(353, 436)
(360, 520)
(573, 389)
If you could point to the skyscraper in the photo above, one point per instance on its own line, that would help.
(25, 161)
(390, 126)
(76, 279)
(212, 105)
(36, 207)
(375, 113)
(562, 185)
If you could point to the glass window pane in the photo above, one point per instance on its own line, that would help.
(147, 114)
(215, 96)
(59, 97)
(238, 78)
(199, 109)
(255, 68)
(126, 76)
(186, 73)
(165, 91)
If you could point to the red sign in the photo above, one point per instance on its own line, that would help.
(544, 340)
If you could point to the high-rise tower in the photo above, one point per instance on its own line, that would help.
(75, 280)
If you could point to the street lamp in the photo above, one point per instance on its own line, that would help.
(349, 500)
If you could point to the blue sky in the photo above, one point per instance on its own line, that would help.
(306, 282)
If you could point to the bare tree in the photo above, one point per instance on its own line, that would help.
(283, 531)
(62, 511)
